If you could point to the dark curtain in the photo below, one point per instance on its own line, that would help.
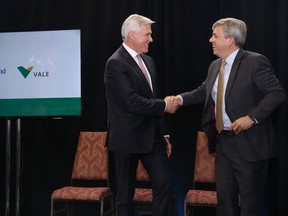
(182, 53)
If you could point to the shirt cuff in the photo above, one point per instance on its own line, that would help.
(181, 99)
(253, 119)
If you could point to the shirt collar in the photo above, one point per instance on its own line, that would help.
(130, 51)
(230, 59)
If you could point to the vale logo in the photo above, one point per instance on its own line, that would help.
(3, 71)
(25, 71)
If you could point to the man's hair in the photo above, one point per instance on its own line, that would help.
(233, 28)
(133, 23)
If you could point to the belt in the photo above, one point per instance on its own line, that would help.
(227, 132)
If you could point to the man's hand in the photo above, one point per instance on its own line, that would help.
(172, 104)
(169, 149)
(241, 124)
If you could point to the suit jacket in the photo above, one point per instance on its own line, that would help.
(134, 111)
(252, 89)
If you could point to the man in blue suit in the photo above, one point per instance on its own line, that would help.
(244, 140)
(134, 118)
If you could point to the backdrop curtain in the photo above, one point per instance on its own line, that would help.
(182, 53)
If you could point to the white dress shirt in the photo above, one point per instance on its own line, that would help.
(229, 62)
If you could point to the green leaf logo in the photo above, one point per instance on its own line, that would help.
(25, 71)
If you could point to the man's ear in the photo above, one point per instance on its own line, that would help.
(131, 35)
(231, 41)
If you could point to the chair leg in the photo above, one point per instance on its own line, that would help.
(185, 208)
(190, 211)
(101, 208)
(52, 208)
(70, 208)
(54, 211)
(110, 205)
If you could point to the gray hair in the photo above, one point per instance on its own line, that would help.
(133, 23)
(233, 28)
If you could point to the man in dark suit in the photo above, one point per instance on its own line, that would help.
(134, 118)
(244, 141)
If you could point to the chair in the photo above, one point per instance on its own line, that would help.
(204, 173)
(90, 164)
(143, 194)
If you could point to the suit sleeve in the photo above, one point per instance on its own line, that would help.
(271, 90)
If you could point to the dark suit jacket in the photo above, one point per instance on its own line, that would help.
(134, 111)
(252, 89)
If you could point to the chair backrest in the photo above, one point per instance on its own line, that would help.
(204, 170)
(91, 159)
(141, 173)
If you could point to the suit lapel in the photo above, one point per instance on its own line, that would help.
(210, 82)
(214, 73)
(233, 73)
(129, 59)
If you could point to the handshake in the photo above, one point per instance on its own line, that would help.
(172, 104)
